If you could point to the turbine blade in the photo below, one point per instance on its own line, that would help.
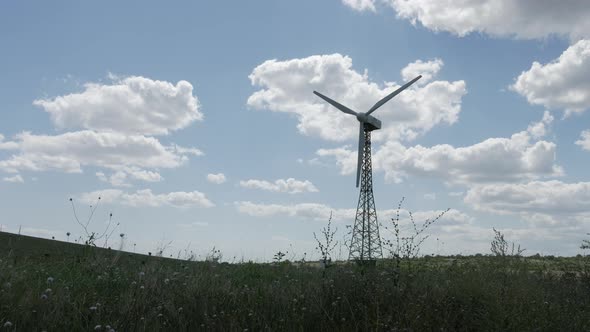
(359, 164)
(336, 104)
(391, 95)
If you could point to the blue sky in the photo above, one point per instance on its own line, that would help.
(196, 122)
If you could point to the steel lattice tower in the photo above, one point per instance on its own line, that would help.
(365, 244)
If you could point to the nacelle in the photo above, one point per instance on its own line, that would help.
(372, 123)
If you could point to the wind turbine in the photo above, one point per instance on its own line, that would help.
(365, 245)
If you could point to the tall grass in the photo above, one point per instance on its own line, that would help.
(138, 293)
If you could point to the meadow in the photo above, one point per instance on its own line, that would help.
(51, 285)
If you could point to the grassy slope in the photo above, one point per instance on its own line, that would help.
(33, 248)
(91, 287)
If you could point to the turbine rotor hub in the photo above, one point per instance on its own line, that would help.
(362, 117)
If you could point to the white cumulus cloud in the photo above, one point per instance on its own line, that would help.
(69, 152)
(523, 19)
(218, 178)
(120, 177)
(531, 198)
(428, 70)
(519, 157)
(7, 145)
(14, 179)
(115, 124)
(561, 84)
(133, 105)
(290, 185)
(321, 212)
(312, 211)
(286, 86)
(584, 140)
(360, 5)
(146, 198)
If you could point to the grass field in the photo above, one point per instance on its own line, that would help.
(56, 286)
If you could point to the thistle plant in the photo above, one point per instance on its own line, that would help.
(91, 236)
(405, 248)
(326, 242)
(214, 255)
(278, 257)
(499, 246)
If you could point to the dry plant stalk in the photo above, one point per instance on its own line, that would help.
(327, 243)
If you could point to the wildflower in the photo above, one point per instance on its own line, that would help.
(8, 324)
(43, 297)
(133, 283)
(93, 308)
(166, 280)
(141, 274)
(180, 309)
(141, 287)
(98, 327)
(48, 291)
(50, 280)
(160, 315)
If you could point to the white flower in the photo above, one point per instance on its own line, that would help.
(141, 274)
(43, 297)
(50, 280)
(98, 328)
(48, 291)
(93, 308)
(166, 280)
(8, 324)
